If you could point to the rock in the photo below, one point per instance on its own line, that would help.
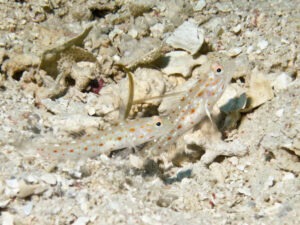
(245, 191)
(31, 179)
(219, 172)
(282, 81)
(179, 62)
(7, 218)
(3, 54)
(83, 73)
(4, 203)
(199, 5)
(279, 113)
(224, 6)
(82, 220)
(136, 161)
(260, 90)
(140, 52)
(234, 52)
(237, 29)
(19, 63)
(157, 30)
(26, 190)
(188, 36)
(12, 187)
(28, 208)
(263, 44)
(49, 178)
(105, 105)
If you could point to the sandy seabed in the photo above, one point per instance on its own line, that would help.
(52, 70)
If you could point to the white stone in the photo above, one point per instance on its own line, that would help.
(244, 191)
(188, 36)
(279, 112)
(282, 82)
(288, 176)
(234, 52)
(136, 161)
(157, 30)
(31, 179)
(49, 178)
(7, 218)
(133, 33)
(4, 203)
(179, 62)
(263, 44)
(82, 220)
(237, 29)
(12, 187)
(27, 208)
(200, 5)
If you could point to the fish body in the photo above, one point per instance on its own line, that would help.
(129, 133)
(197, 102)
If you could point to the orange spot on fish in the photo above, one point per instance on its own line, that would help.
(193, 111)
(119, 138)
(55, 151)
(182, 99)
(169, 138)
(85, 148)
(101, 144)
(132, 129)
(200, 94)
(215, 82)
(71, 150)
(142, 136)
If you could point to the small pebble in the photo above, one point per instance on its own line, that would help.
(263, 44)
(7, 218)
(28, 208)
(237, 29)
(4, 203)
(244, 191)
(31, 179)
(279, 112)
(234, 52)
(49, 179)
(288, 176)
(188, 36)
(282, 81)
(200, 5)
(81, 220)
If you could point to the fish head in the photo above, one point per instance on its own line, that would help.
(162, 124)
(222, 67)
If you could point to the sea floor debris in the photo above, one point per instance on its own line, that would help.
(242, 169)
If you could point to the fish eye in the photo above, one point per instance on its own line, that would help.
(158, 124)
(219, 70)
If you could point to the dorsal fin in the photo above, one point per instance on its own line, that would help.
(125, 110)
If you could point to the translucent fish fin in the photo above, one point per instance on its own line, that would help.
(167, 95)
(125, 110)
(208, 113)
